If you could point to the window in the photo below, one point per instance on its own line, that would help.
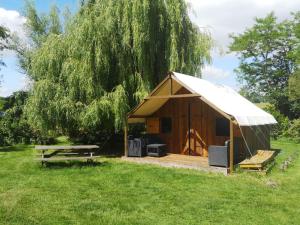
(222, 127)
(166, 125)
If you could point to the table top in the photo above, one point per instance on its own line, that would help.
(65, 147)
(156, 145)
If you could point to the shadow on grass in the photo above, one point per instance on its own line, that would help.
(111, 155)
(72, 164)
(276, 150)
(15, 148)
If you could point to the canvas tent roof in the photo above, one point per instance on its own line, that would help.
(221, 97)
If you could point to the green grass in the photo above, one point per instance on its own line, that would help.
(115, 192)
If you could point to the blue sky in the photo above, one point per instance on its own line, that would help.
(219, 17)
(42, 5)
(12, 77)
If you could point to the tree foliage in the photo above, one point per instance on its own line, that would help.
(294, 81)
(294, 86)
(267, 60)
(285, 128)
(14, 127)
(111, 53)
(3, 42)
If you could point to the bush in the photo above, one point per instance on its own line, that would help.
(285, 127)
(293, 132)
(283, 122)
(20, 132)
(14, 127)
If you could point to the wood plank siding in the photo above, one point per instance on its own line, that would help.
(202, 125)
(202, 128)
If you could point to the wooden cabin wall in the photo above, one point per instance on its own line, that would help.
(203, 119)
(203, 129)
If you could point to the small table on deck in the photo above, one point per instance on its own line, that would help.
(156, 150)
(65, 153)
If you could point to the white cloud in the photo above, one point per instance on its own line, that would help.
(223, 17)
(25, 83)
(13, 21)
(214, 73)
(4, 91)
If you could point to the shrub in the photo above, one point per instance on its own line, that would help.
(14, 127)
(293, 132)
(283, 122)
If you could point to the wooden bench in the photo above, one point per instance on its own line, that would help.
(259, 161)
(50, 153)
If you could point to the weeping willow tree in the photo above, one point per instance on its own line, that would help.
(106, 59)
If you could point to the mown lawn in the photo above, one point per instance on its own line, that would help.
(115, 192)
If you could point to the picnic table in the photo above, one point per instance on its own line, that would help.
(66, 152)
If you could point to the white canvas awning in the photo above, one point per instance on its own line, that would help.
(223, 98)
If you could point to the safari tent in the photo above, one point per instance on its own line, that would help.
(190, 114)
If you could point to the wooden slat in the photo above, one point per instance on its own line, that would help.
(137, 117)
(251, 166)
(203, 125)
(64, 154)
(259, 160)
(67, 147)
(173, 96)
(66, 158)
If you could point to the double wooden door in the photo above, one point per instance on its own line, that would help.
(190, 133)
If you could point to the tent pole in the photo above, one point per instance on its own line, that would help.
(189, 126)
(126, 138)
(171, 86)
(231, 160)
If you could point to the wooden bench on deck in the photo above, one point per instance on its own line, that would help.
(66, 153)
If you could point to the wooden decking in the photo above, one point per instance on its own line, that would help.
(179, 161)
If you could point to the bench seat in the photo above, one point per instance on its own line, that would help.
(67, 158)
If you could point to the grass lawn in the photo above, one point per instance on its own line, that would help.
(116, 192)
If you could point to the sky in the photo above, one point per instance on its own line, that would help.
(219, 17)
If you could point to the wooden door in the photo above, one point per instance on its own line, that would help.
(190, 128)
(183, 126)
(196, 142)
